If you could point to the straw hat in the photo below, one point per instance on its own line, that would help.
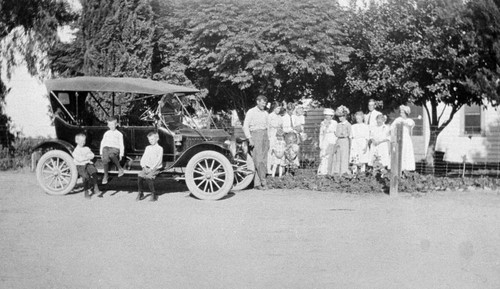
(342, 111)
(405, 108)
(328, 111)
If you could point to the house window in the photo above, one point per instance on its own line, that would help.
(472, 120)
(416, 114)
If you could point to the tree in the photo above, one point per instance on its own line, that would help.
(28, 28)
(285, 50)
(427, 53)
(114, 38)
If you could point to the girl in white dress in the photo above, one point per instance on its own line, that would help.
(274, 125)
(327, 141)
(359, 145)
(408, 156)
(278, 160)
(380, 137)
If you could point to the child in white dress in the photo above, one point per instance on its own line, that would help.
(380, 137)
(291, 151)
(278, 154)
(359, 145)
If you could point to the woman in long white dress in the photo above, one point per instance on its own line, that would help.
(275, 123)
(327, 141)
(408, 155)
(359, 145)
(380, 138)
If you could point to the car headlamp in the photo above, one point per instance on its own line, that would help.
(244, 147)
(231, 145)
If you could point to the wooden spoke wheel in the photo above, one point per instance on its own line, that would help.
(56, 172)
(209, 175)
(244, 171)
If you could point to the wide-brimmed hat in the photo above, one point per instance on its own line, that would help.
(328, 111)
(342, 111)
(405, 108)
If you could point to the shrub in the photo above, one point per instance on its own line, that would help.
(18, 155)
(309, 180)
(378, 182)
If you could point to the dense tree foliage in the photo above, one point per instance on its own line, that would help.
(428, 53)
(285, 50)
(114, 38)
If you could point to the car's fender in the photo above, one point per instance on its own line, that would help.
(56, 144)
(189, 153)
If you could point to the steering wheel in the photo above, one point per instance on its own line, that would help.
(148, 115)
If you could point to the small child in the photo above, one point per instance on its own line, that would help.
(112, 148)
(291, 151)
(151, 163)
(359, 144)
(83, 159)
(380, 137)
(278, 154)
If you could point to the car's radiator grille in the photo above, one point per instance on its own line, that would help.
(191, 141)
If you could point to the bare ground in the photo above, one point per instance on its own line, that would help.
(252, 239)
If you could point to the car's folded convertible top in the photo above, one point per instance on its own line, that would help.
(116, 84)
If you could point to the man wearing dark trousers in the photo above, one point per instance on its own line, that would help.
(255, 129)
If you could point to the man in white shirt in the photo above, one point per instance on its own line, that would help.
(151, 163)
(255, 129)
(288, 119)
(371, 116)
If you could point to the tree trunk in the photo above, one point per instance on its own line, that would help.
(431, 148)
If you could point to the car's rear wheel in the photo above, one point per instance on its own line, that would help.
(244, 171)
(56, 172)
(209, 175)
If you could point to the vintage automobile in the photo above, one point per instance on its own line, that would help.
(211, 160)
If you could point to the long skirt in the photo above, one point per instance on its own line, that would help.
(326, 154)
(341, 157)
(380, 153)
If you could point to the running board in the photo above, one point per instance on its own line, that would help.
(127, 172)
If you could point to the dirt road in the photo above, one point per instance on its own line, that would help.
(253, 239)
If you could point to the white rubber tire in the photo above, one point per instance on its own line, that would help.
(209, 175)
(56, 172)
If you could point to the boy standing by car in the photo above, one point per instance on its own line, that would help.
(112, 148)
(83, 157)
(151, 163)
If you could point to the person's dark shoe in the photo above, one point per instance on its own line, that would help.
(87, 194)
(154, 198)
(140, 196)
(120, 172)
(257, 187)
(100, 195)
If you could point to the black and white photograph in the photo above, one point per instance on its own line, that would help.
(250, 144)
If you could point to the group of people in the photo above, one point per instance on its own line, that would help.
(274, 131)
(344, 148)
(112, 151)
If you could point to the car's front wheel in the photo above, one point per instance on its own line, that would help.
(209, 175)
(56, 172)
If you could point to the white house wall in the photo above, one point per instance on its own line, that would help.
(456, 145)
